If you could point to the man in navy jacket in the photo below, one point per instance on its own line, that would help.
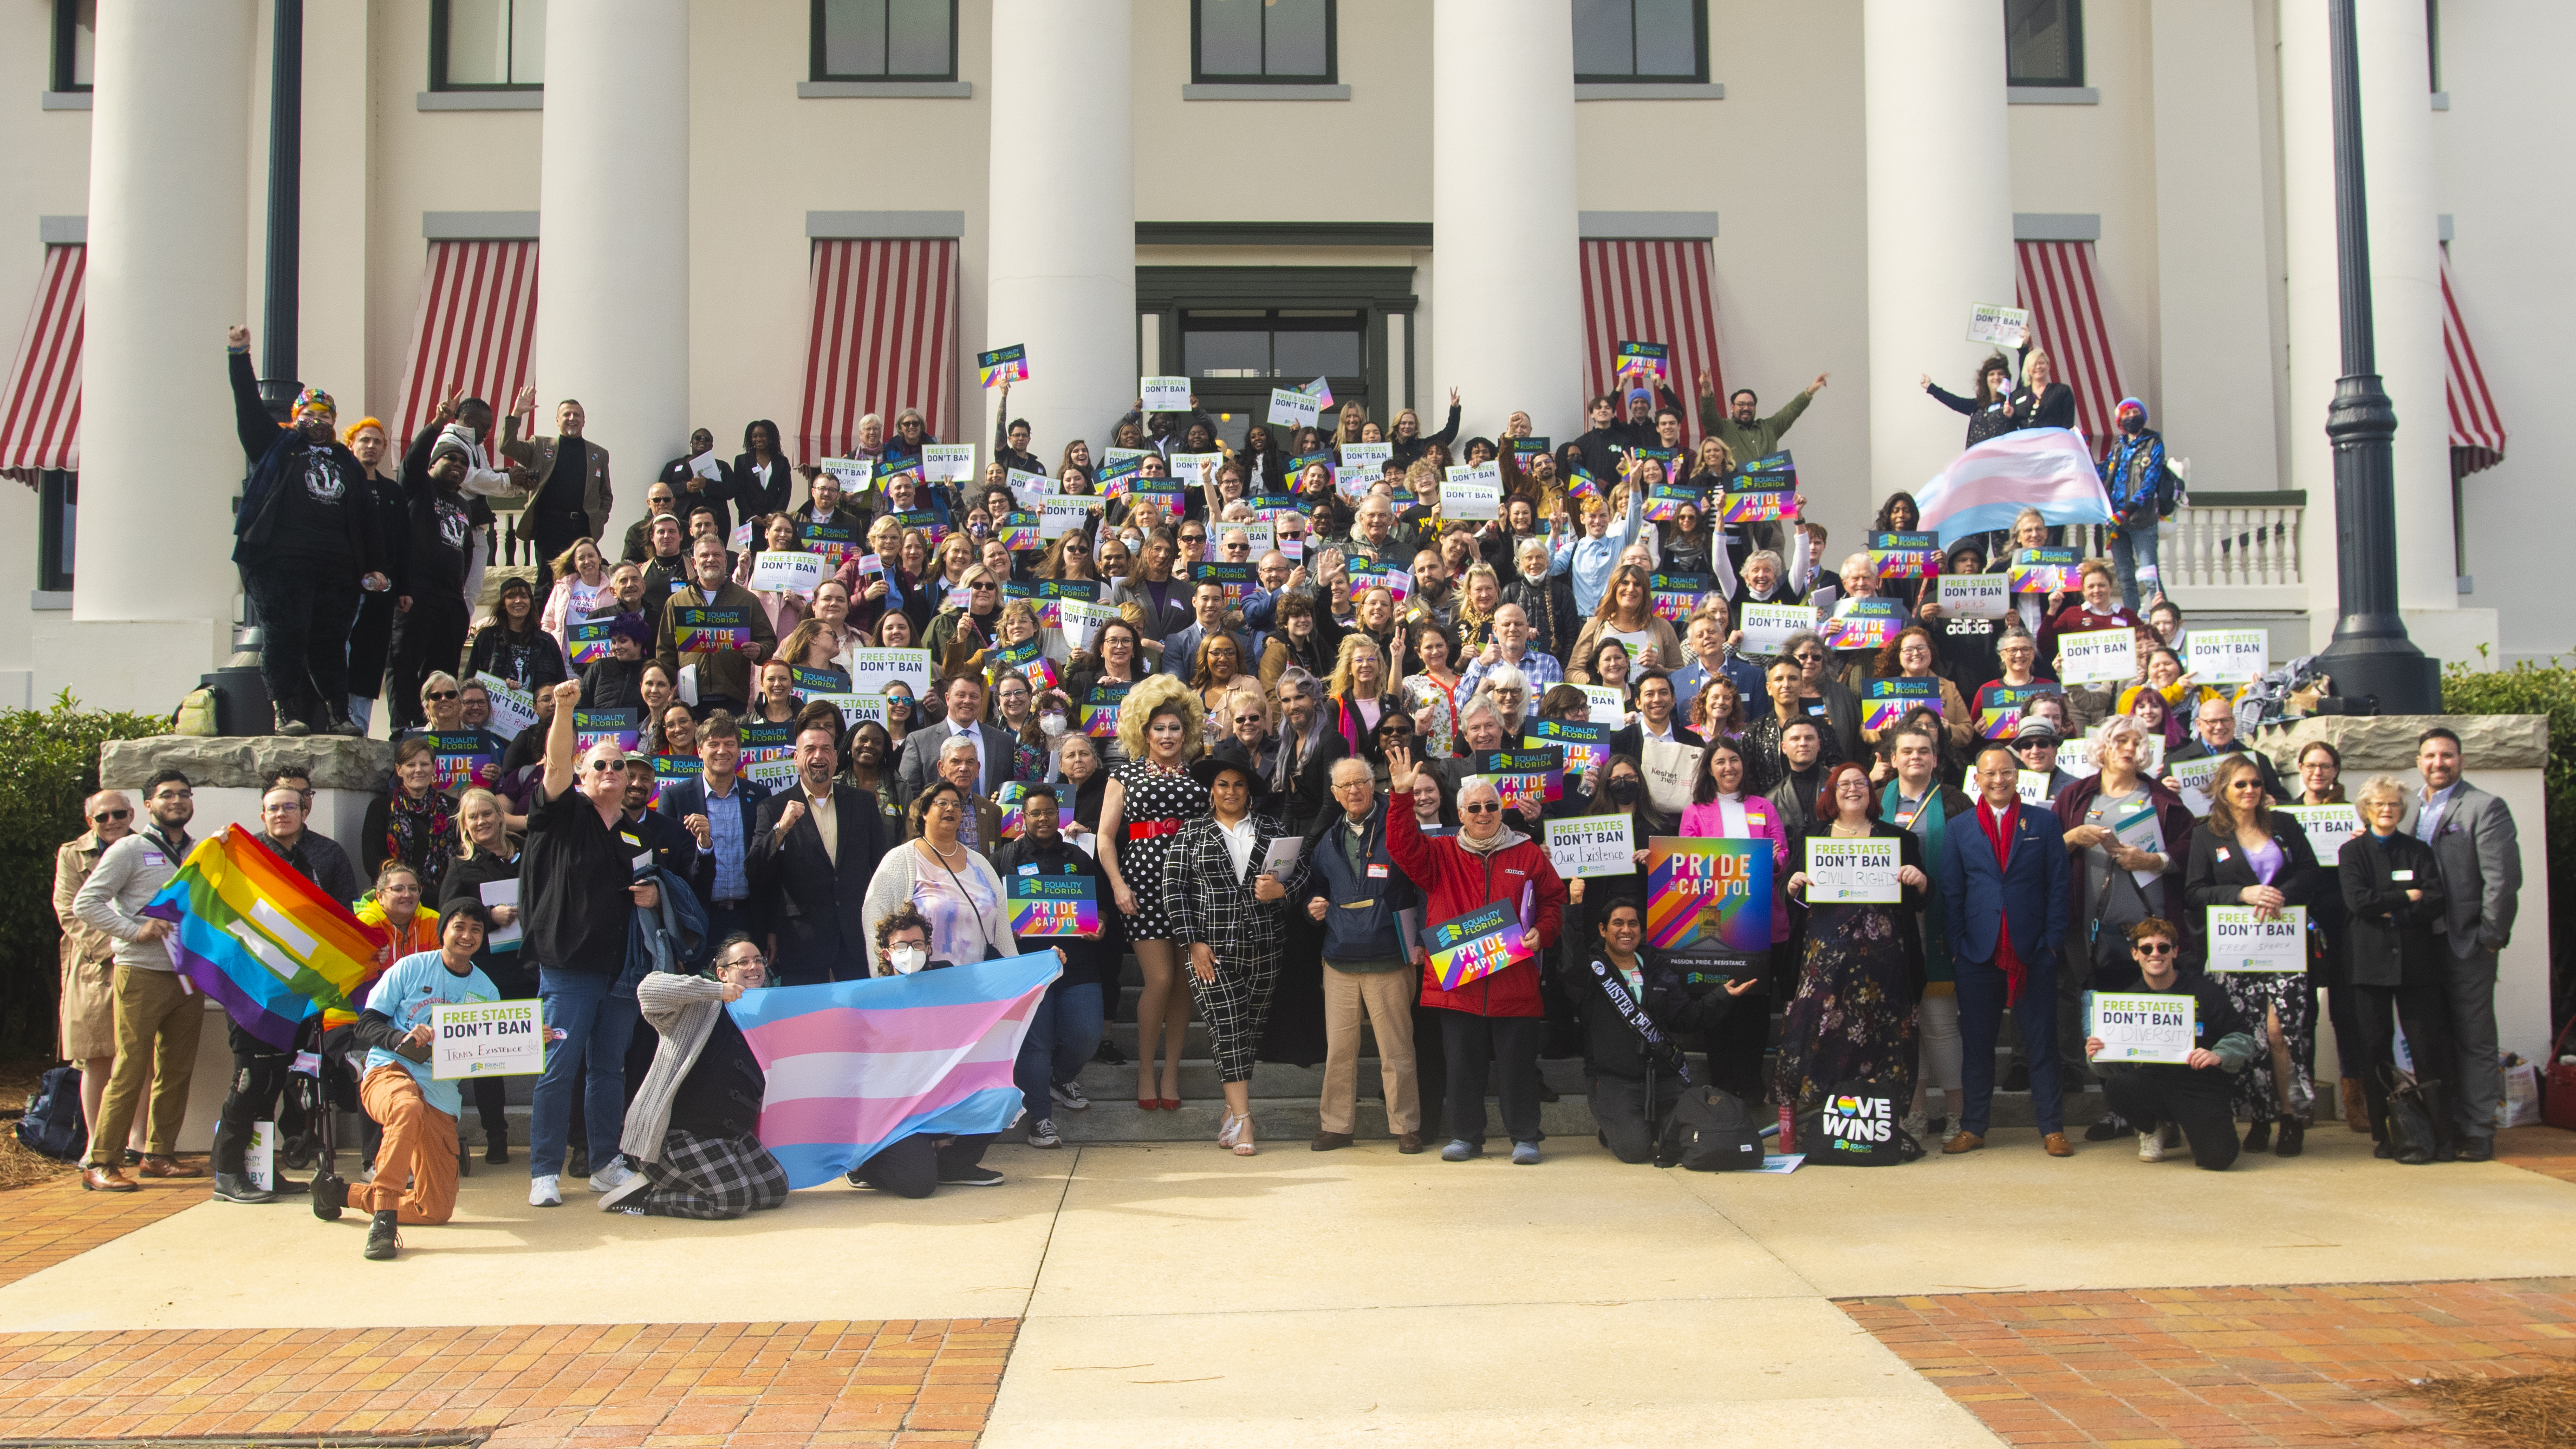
(2006, 887)
(722, 810)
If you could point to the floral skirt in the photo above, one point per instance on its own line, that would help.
(1853, 1017)
(2284, 994)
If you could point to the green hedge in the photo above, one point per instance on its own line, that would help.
(48, 765)
(2542, 689)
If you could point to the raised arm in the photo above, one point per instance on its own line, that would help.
(250, 416)
(561, 759)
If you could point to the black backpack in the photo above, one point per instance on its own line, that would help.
(1855, 1125)
(1709, 1131)
(52, 1125)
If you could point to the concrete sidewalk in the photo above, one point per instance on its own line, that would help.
(1167, 1294)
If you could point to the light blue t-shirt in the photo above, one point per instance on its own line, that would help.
(405, 993)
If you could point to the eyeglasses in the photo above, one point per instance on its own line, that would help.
(2154, 948)
(104, 816)
(174, 794)
(1486, 808)
(602, 767)
(1249, 719)
(436, 695)
(1809, 658)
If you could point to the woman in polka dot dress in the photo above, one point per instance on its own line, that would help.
(1143, 807)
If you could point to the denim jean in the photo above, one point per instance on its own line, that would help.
(587, 1027)
(1063, 1033)
(2134, 548)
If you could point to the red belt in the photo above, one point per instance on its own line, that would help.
(1148, 829)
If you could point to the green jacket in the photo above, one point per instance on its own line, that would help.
(1759, 440)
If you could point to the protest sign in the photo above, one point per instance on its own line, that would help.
(871, 670)
(1583, 746)
(769, 753)
(855, 474)
(1905, 555)
(1003, 364)
(1889, 699)
(1852, 872)
(513, 709)
(486, 1039)
(1164, 394)
(1999, 713)
(1234, 577)
(588, 639)
(1862, 623)
(670, 770)
(1294, 409)
(2197, 778)
(1365, 576)
(1473, 493)
(1028, 490)
(1675, 595)
(808, 682)
(1053, 905)
(464, 758)
(1370, 460)
(2228, 656)
(850, 705)
(2328, 827)
(1972, 596)
(2043, 570)
(788, 573)
(707, 629)
(2242, 939)
(1772, 470)
(1018, 532)
(2098, 656)
(1521, 775)
(1052, 593)
(1608, 704)
(925, 519)
(1099, 709)
(1060, 514)
(1589, 845)
(1664, 501)
(1080, 620)
(831, 542)
(1580, 484)
(2142, 1026)
(590, 726)
(1478, 944)
(1767, 627)
(1708, 896)
(1999, 325)
(1195, 470)
(1649, 359)
(948, 462)
(1526, 451)
(1757, 505)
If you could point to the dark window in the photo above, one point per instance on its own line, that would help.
(487, 45)
(75, 43)
(1640, 40)
(1279, 347)
(57, 497)
(905, 40)
(2044, 42)
(1262, 41)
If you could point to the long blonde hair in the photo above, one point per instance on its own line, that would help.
(1338, 684)
(1150, 695)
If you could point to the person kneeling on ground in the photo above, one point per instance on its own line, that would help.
(2156, 1096)
(913, 1166)
(695, 1121)
(1634, 1003)
(415, 1179)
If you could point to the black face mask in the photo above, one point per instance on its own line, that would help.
(1625, 790)
(2133, 425)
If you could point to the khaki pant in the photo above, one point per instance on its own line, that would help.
(419, 1148)
(1385, 1000)
(157, 1022)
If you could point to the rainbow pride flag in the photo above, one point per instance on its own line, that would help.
(262, 940)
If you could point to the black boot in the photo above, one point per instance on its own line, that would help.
(496, 1143)
(334, 720)
(287, 724)
(2258, 1138)
(2446, 1133)
(382, 1238)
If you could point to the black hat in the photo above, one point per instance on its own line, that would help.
(1229, 756)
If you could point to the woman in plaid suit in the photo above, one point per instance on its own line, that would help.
(1230, 919)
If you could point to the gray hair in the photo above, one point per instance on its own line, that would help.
(1765, 555)
(1506, 676)
(2116, 727)
(954, 744)
(1296, 674)
(1791, 644)
(1353, 762)
(1530, 545)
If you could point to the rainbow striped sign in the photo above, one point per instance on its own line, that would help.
(1708, 894)
(1478, 944)
(1053, 905)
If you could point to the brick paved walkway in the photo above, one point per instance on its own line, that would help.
(2549, 1151)
(2235, 1366)
(55, 1222)
(671, 1386)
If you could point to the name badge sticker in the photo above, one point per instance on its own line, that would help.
(2401, 875)
(1378, 872)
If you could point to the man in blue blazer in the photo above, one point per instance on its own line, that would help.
(2006, 889)
(720, 809)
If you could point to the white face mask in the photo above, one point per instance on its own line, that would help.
(1135, 543)
(1051, 724)
(908, 959)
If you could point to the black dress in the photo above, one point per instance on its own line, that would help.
(1153, 798)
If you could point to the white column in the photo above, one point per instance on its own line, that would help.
(1507, 288)
(1060, 253)
(161, 461)
(613, 259)
(1940, 218)
(2405, 262)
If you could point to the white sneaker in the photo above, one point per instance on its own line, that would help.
(546, 1191)
(2151, 1146)
(612, 1177)
(1070, 1097)
(614, 1200)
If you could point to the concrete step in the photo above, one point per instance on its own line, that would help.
(1278, 1119)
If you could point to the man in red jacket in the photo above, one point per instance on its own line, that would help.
(1495, 1017)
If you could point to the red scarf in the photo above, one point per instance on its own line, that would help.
(1998, 826)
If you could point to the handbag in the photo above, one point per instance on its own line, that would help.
(2558, 1085)
(2411, 1115)
(1855, 1125)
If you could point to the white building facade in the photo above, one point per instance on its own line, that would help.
(703, 212)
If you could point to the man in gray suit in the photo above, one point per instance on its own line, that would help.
(2472, 835)
(920, 763)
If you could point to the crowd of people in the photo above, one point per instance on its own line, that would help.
(1240, 689)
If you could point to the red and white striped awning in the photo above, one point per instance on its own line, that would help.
(1651, 291)
(881, 337)
(2477, 429)
(2066, 319)
(40, 407)
(476, 327)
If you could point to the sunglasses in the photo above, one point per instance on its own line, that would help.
(2154, 948)
(602, 767)
(439, 694)
(1486, 808)
(980, 588)
(106, 815)
(1809, 658)
(1248, 719)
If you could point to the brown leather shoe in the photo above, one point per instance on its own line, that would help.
(2356, 1107)
(157, 1166)
(2057, 1145)
(1963, 1142)
(107, 1179)
(1408, 1142)
(1328, 1141)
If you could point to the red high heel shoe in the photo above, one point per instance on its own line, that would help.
(1170, 1104)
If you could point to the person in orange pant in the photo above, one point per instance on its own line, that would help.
(415, 1181)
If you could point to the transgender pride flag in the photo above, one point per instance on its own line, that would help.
(1985, 487)
(855, 1065)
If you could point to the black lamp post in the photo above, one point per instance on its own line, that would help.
(278, 385)
(2370, 654)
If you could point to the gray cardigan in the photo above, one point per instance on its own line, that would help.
(129, 874)
(683, 1009)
